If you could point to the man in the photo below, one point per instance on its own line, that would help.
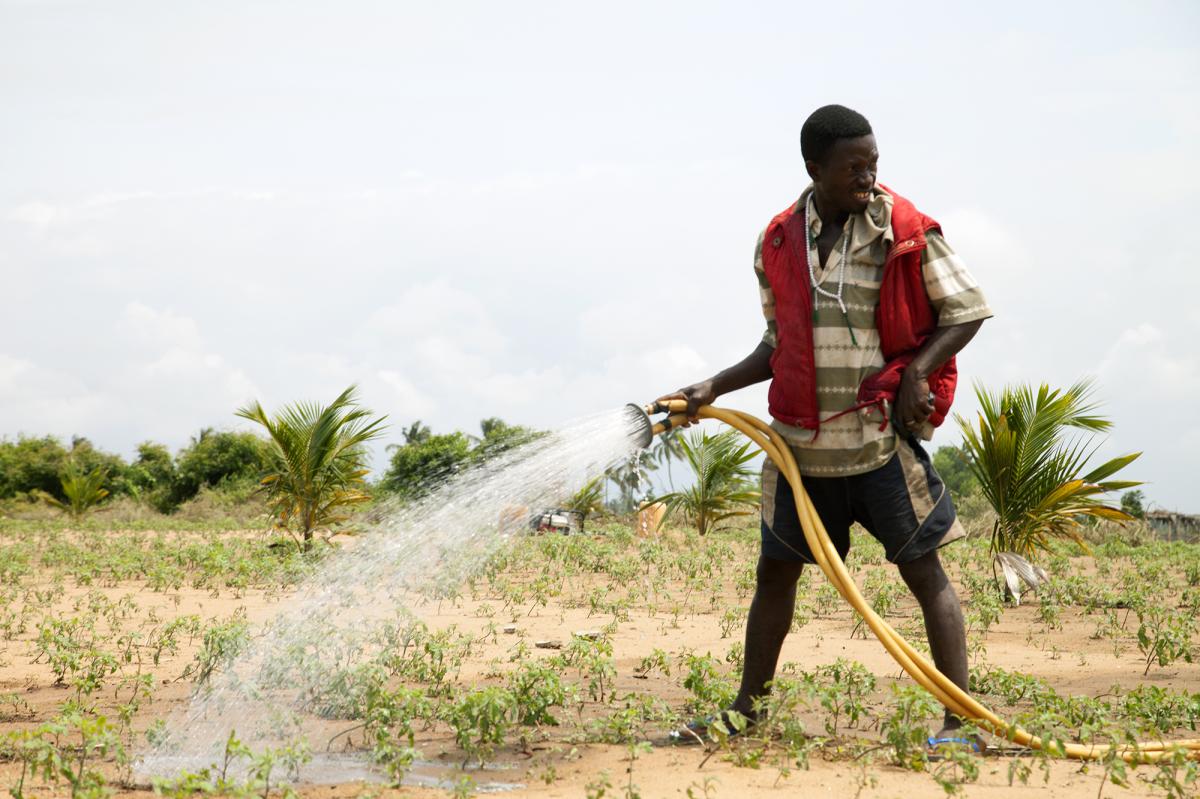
(866, 306)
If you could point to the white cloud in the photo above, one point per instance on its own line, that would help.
(37, 215)
(987, 244)
(11, 370)
(169, 383)
(45, 399)
(409, 400)
(1143, 362)
(1149, 386)
(177, 361)
(436, 314)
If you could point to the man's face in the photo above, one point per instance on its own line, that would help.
(845, 179)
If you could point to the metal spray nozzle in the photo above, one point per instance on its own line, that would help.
(648, 429)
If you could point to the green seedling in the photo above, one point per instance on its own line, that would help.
(1165, 636)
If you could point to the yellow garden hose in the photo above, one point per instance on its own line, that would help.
(925, 673)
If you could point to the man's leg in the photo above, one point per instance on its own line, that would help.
(767, 625)
(943, 621)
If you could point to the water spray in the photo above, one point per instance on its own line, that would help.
(918, 667)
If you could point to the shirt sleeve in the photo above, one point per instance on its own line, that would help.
(765, 295)
(953, 292)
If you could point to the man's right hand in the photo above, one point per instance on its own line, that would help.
(697, 395)
(754, 368)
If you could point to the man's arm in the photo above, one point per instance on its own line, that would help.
(754, 368)
(913, 405)
(961, 309)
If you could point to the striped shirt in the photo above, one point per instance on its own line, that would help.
(854, 444)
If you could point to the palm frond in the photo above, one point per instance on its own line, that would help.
(723, 484)
(317, 455)
(1028, 463)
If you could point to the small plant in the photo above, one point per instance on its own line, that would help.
(1178, 775)
(703, 790)
(826, 600)
(959, 765)
(223, 641)
(636, 750)
(82, 490)
(657, 660)
(704, 680)
(842, 689)
(481, 719)
(599, 787)
(1165, 636)
(389, 718)
(536, 688)
(1049, 612)
(593, 659)
(464, 788)
(905, 729)
(733, 619)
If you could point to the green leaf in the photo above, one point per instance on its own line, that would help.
(1112, 467)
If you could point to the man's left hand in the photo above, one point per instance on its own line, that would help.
(914, 403)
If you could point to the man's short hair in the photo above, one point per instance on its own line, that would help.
(825, 126)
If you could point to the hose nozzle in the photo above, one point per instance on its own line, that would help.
(648, 429)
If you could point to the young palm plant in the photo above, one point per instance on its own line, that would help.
(1028, 452)
(588, 500)
(317, 457)
(82, 490)
(723, 485)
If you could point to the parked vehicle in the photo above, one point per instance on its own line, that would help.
(557, 520)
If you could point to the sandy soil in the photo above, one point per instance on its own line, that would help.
(1070, 659)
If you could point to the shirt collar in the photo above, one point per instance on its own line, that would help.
(873, 223)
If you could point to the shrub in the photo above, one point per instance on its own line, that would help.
(420, 465)
(953, 465)
(213, 458)
(31, 464)
(152, 475)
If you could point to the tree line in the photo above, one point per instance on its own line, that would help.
(1027, 455)
(34, 467)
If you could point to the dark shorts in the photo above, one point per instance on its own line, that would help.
(903, 504)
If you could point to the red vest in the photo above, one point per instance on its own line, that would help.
(904, 318)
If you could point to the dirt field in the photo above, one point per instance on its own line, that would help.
(647, 634)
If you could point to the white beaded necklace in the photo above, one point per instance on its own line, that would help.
(812, 273)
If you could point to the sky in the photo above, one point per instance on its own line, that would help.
(538, 211)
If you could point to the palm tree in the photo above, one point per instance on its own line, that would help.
(317, 461)
(723, 486)
(667, 450)
(82, 490)
(588, 500)
(632, 477)
(1028, 465)
(416, 433)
